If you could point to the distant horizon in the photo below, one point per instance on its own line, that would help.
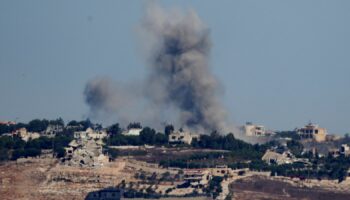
(124, 126)
(279, 64)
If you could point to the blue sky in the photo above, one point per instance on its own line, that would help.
(282, 63)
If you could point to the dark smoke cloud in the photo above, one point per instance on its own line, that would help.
(179, 63)
(179, 82)
(104, 96)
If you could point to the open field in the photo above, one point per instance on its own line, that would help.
(261, 188)
(201, 157)
(43, 179)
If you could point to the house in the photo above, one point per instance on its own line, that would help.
(345, 150)
(334, 152)
(132, 132)
(90, 133)
(75, 127)
(332, 138)
(179, 137)
(99, 134)
(312, 132)
(250, 129)
(273, 157)
(25, 135)
(197, 178)
(7, 123)
(52, 130)
(221, 170)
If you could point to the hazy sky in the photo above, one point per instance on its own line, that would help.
(282, 63)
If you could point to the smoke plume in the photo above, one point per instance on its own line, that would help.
(177, 47)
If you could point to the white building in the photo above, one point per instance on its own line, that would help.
(25, 135)
(250, 129)
(90, 133)
(182, 137)
(132, 132)
(272, 157)
(345, 150)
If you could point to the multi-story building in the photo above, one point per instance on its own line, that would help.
(197, 178)
(313, 132)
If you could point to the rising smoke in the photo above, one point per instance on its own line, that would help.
(177, 47)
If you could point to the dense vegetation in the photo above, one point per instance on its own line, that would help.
(147, 136)
(239, 148)
(320, 168)
(12, 148)
(35, 125)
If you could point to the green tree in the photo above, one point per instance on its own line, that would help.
(114, 129)
(161, 139)
(168, 129)
(5, 129)
(73, 123)
(147, 135)
(134, 125)
(86, 124)
(4, 154)
(60, 142)
(37, 125)
(58, 121)
(40, 143)
(295, 147)
(112, 153)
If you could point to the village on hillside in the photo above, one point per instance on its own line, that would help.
(139, 162)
